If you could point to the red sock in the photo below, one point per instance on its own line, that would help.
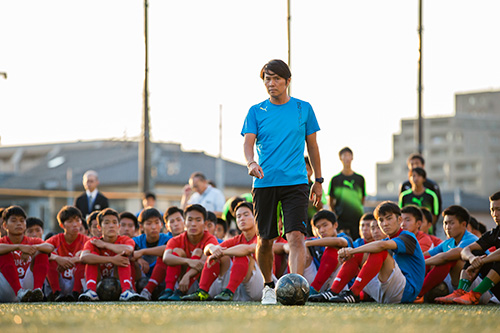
(9, 271)
(209, 274)
(78, 275)
(91, 272)
(328, 264)
(159, 273)
(40, 269)
(370, 269)
(238, 272)
(172, 275)
(53, 276)
(436, 276)
(125, 276)
(349, 270)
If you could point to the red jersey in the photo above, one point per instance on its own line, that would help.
(436, 240)
(181, 241)
(425, 241)
(22, 266)
(107, 269)
(63, 249)
(239, 239)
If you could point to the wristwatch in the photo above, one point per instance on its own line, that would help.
(319, 180)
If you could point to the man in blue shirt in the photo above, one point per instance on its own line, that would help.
(278, 128)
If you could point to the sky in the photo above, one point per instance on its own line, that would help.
(76, 69)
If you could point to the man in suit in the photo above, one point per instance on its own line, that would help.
(92, 199)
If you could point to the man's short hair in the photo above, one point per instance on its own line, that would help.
(91, 217)
(198, 208)
(461, 213)
(223, 224)
(243, 203)
(427, 214)
(345, 150)
(476, 225)
(129, 215)
(13, 211)
(148, 195)
(66, 213)
(278, 67)
(386, 207)
(199, 175)
(324, 214)
(107, 212)
(171, 211)
(148, 213)
(414, 211)
(495, 196)
(32, 221)
(90, 173)
(211, 217)
(419, 171)
(367, 217)
(415, 156)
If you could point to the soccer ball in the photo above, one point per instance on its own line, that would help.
(109, 289)
(292, 289)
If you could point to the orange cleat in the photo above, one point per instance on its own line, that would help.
(449, 298)
(419, 300)
(471, 298)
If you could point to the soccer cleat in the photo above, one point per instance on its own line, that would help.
(59, 297)
(345, 296)
(324, 296)
(268, 296)
(165, 294)
(131, 296)
(419, 300)
(176, 296)
(449, 299)
(24, 295)
(199, 295)
(88, 296)
(72, 297)
(36, 295)
(470, 298)
(225, 296)
(146, 294)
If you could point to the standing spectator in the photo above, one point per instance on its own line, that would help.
(199, 191)
(278, 127)
(417, 161)
(347, 193)
(92, 199)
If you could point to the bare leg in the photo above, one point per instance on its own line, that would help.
(297, 256)
(264, 253)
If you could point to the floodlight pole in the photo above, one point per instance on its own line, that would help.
(145, 143)
(420, 87)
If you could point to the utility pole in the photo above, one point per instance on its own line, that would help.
(420, 87)
(145, 143)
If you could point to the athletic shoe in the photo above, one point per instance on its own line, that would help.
(176, 296)
(131, 296)
(225, 296)
(324, 296)
(24, 295)
(449, 299)
(470, 298)
(419, 300)
(268, 296)
(88, 296)
(199, 295)
(59, 297)
(72, 297)
(36, 295)
(345, 296)
(146, 294)
(165, 294)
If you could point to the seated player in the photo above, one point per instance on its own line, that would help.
(93, 225)
(325, 224)
(427, 224)
(66, 271)
(386, 278)
(221, 229)
(174, 220)
(108, 256)
(364, 230)
(128, 224)
(419, 195)
(445, 258)
(412, 220)
(24, 260)
(244, 272)
(185, 252)
(475, 227)
(478, 262)
(211, 225)
(34, 227)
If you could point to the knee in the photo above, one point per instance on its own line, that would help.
(295, 238)
(197, 253)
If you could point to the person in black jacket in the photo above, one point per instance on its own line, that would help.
(92, 199)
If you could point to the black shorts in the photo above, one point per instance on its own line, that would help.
(294, 202)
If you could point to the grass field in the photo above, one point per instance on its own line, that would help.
(243, 317)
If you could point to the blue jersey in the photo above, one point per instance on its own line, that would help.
(467, 239)
(410, 260)
(358, 242)
(281, 131)
(317, 251)
(140, 242)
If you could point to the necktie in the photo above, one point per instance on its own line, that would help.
(90, 203)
